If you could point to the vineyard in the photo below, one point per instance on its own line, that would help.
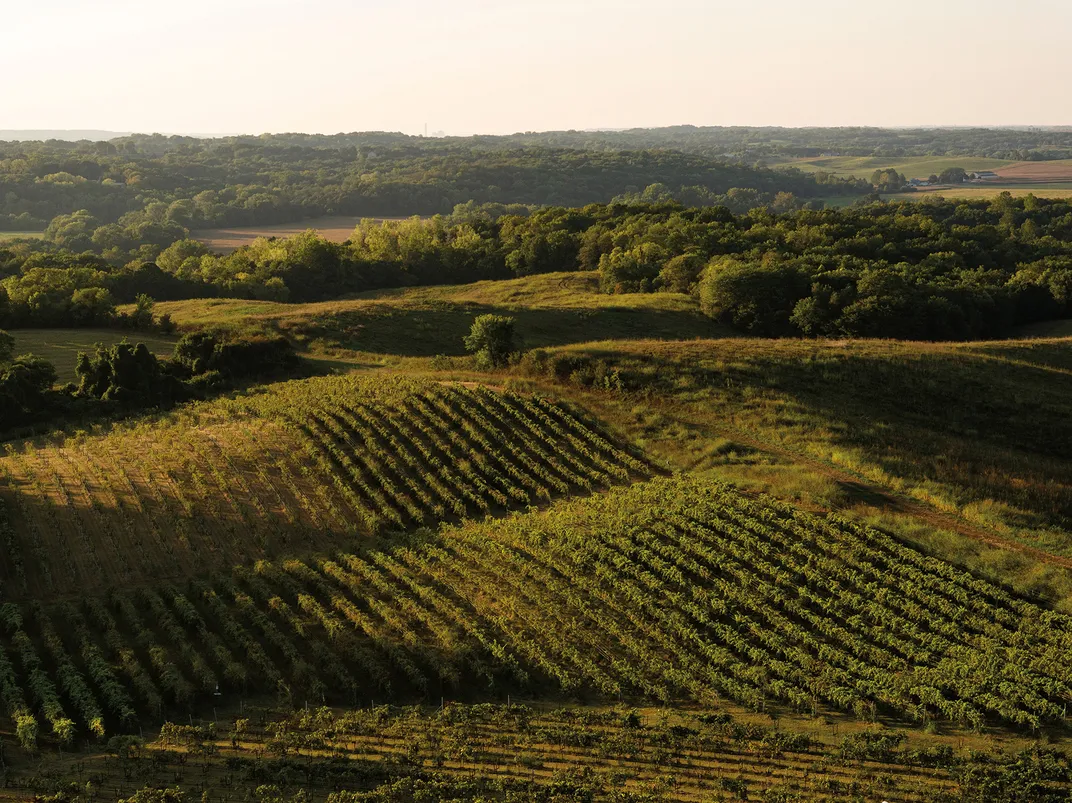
(303, 467)
(672, 590)
(487, 751)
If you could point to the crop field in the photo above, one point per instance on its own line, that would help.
(713, 567)
(305, 466)
(62, 346)
(224, 241)
(486, 751)
(706, 596)
(1043, 172)
(1043, 179)
(911, 167)
(360, 540)
(989, 189)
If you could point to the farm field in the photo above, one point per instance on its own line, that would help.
(301, 466)
(912, 167)
(713, 566)
(1051, 179)
(1059, 170)
(674, 590)
(392, 536)
(12, 235)
(988, 190)
(337, 229)
(597, 753)
(62, 346)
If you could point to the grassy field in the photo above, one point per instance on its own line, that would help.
(551, 309)
(224, 241)
(987, 190)
(1043, 179)
(11, 235)
(61, 346)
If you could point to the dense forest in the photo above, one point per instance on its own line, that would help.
(930, 270)
(250, 181)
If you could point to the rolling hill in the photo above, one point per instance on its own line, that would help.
(551, 309)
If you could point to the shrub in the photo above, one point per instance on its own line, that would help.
(491, 339)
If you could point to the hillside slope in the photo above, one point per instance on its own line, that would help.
(979, 429)
(672, 590)
(551, 309)
(294, 468)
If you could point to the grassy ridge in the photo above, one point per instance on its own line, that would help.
(551, 309)
(982, 429)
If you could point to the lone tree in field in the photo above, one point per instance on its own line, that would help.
(491, 339)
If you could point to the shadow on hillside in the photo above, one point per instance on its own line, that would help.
(91, 518)
(428, 331)
(972, 429)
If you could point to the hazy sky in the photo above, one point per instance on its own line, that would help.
(469, 66)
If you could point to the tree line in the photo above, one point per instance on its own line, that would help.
(927, 270)
(195, 183)
(749, 143)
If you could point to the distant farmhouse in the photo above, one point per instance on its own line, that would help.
(984, 175)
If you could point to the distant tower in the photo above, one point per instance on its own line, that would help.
(426, 129)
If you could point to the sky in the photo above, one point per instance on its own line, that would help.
(483, 66)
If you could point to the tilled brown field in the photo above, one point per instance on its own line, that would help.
(1037, 171)
(336, 229)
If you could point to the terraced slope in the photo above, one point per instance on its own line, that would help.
(304, 467)
(670, 590)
